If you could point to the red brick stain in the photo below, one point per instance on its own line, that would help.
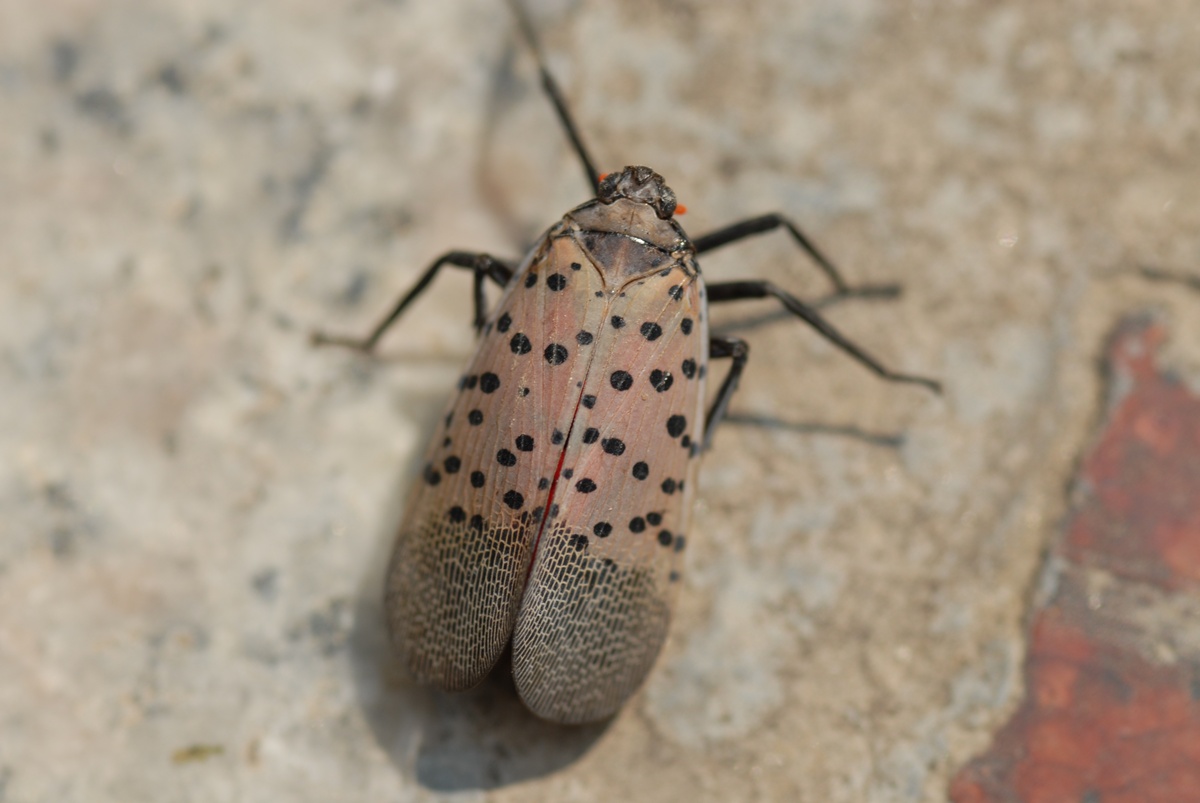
(1101, 721)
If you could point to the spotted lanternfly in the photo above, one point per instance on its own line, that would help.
(553, 509)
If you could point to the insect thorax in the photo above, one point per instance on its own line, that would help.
(627, 239)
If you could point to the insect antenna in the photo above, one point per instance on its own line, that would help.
(555, 95)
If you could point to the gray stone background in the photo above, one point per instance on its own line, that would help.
(196, 504)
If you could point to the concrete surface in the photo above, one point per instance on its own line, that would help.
(196, 504)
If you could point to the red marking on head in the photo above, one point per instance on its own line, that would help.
(680, 209)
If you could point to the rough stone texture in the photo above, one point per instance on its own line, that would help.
(197, 505)
(1112, 706)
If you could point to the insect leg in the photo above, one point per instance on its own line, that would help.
(484, 266)
(738, 291)
(739, 351)
(766, 223)
(555, 95)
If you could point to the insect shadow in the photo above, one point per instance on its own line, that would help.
(477, 740)
(745, 323)
(1170, 277)
(888, 440)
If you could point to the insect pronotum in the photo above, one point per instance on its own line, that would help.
(553, 508)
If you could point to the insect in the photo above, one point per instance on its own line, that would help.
(553, 508)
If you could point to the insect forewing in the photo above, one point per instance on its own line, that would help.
(598, 603)
(463, 553)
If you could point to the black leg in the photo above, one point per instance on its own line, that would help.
(766, 223)
(739, 351)
(484, 266)
(738, 291)
(556, 97)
